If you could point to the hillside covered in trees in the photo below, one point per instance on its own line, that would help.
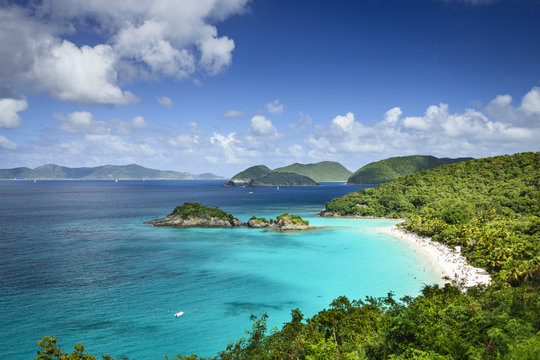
(488, 206)
(389, 169)
(321, 171)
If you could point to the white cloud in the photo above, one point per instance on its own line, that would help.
(164, 101)
(81, 122)
(233, 113)
(343, 123)
(83, 75)
(137, 39)
(139, 122)
(433, 114)
(9, 117)
(275, 107)
(530, 104)
(438, 132)
(261, 126)
(8, 144)
(392, 116)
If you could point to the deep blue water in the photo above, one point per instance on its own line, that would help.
(76, 262)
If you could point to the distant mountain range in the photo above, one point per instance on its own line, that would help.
(389, 169)
(106, 172)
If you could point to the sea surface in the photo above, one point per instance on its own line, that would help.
(76, 262)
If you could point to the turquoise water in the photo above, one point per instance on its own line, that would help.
(76, 262)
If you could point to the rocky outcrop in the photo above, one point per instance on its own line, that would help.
(290, 223)
(180, 222)
(230, 183)
(192, 215)
(258, 223)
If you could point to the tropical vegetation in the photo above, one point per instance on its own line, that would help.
(389, 169)
(282, 179)
(321, 171)
(196, 210)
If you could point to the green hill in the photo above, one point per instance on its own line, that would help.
(389, 169)
(251, 173)
(106, 172)
(282, 179)
(321, 171)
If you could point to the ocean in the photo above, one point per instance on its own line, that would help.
(77, 262)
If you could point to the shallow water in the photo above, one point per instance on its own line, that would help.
(76, 262)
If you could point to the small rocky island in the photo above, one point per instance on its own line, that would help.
(192, 215)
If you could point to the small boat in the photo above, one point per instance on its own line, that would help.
(251, 192)
(178, 314)
(116, 180)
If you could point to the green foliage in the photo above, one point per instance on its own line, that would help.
(389, 169)
(321, 171)
(200, 211)
(282, 179)
(259, 220)
(251, 173)
(50, 350)
(295, 219)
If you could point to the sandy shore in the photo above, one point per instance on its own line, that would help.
(448, 262)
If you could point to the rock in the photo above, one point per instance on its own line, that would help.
(258, 223)
(180, 222)
(230, 183)
(290, 222)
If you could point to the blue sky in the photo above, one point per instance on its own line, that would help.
(220, 85)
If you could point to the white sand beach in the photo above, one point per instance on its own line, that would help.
(450, 263)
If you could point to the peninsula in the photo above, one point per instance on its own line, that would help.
(194, 215)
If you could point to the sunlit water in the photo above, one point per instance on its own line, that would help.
(76, 262)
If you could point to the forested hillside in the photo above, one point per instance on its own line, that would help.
(389, 169)
(321, 171)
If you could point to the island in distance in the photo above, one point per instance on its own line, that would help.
(374, 173)
(292, 175)
(192, 215)
(106, 172)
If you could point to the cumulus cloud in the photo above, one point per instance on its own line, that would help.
(81, 122)
(140, 39)
(263, 127)
(8, 144)
(164, 101)
(139, 122)
(233, 113)
(275, 107)
(507, 129)
(392, 116)
(9, 109)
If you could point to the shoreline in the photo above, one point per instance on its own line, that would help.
(448, 262)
